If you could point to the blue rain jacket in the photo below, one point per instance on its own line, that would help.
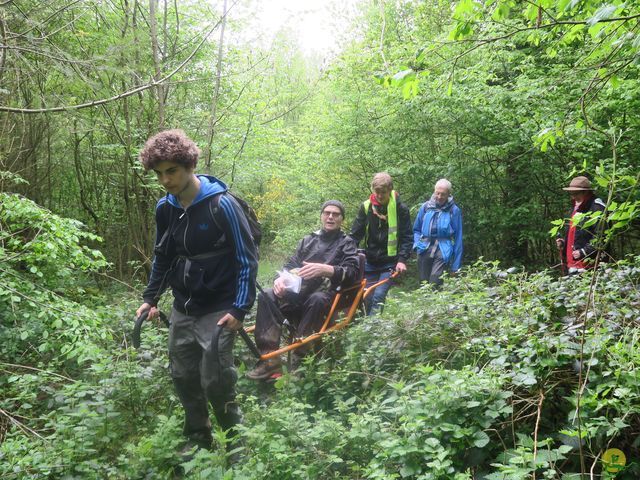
(447, 230)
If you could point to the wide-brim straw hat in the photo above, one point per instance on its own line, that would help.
(579, 184)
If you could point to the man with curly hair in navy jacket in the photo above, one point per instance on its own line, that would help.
(205, 252)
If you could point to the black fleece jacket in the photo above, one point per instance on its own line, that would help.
(584, 236)
(376, 242)
(331, 248)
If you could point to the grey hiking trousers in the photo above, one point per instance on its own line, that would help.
(431, 266)
(203, 375)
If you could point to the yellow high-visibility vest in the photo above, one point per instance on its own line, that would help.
(392, 219)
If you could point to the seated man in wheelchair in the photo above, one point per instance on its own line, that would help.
(324, 260)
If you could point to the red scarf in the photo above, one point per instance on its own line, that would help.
(571, 237)
(375, 205)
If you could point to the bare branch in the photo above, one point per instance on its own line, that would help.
(34, 369)
(19, 424)
(54, 14)
(296, 105)
(94, 103)
(40, 52)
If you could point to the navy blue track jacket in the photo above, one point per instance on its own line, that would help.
(210, 267)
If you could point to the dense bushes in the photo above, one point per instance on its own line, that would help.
(495, 376)
(481, 378)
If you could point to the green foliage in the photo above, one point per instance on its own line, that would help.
(497, 375)
(44, 260)
(527, 458)
(35, 240)
(506, 103)
(478, 378)
(449, 382)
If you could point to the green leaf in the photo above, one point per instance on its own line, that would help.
(562, 5)
(603, 13)
(404, 75)
(481, 439)
(461, 30)
(614, 81)
(595, 30)
(463, 9)
(501, 12)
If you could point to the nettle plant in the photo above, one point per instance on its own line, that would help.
(78, 403)
(487, 376)
(44, 257)
(50, 247)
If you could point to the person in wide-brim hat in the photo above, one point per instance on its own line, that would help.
(579, 184)
(577, 246)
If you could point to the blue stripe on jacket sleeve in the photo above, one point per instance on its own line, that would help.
(244, 275)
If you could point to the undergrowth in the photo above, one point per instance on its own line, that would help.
(495, 376)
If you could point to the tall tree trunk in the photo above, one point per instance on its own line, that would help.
(138, 243)
(157, 64)
(81, 175)
(3, 35)
(216, 92)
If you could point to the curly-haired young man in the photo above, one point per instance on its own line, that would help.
(210, 262)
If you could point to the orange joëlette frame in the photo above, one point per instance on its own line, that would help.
(361, 294)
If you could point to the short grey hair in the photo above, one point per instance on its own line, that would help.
(443, 182)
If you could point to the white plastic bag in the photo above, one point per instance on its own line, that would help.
(292, 281)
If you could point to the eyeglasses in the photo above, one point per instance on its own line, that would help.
(328, 213)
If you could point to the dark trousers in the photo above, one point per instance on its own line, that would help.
(305, 313)
(431, 266)
(203, 374)
(374, 274)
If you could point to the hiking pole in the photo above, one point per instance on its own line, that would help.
(250, 344)
(137, 328)
(143, 316)
(563, 265)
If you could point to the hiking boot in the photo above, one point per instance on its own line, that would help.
(264, 369)
(193, 443)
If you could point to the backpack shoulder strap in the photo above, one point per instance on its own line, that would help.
(216, 214)
(163, 244)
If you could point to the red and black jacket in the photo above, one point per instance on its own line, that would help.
(585, 235)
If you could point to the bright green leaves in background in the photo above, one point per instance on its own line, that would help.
(500, 97)
(550, 84)
(47, 245)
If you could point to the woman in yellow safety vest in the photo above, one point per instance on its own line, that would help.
(383, 225)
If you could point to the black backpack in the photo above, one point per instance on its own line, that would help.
(252, 219)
